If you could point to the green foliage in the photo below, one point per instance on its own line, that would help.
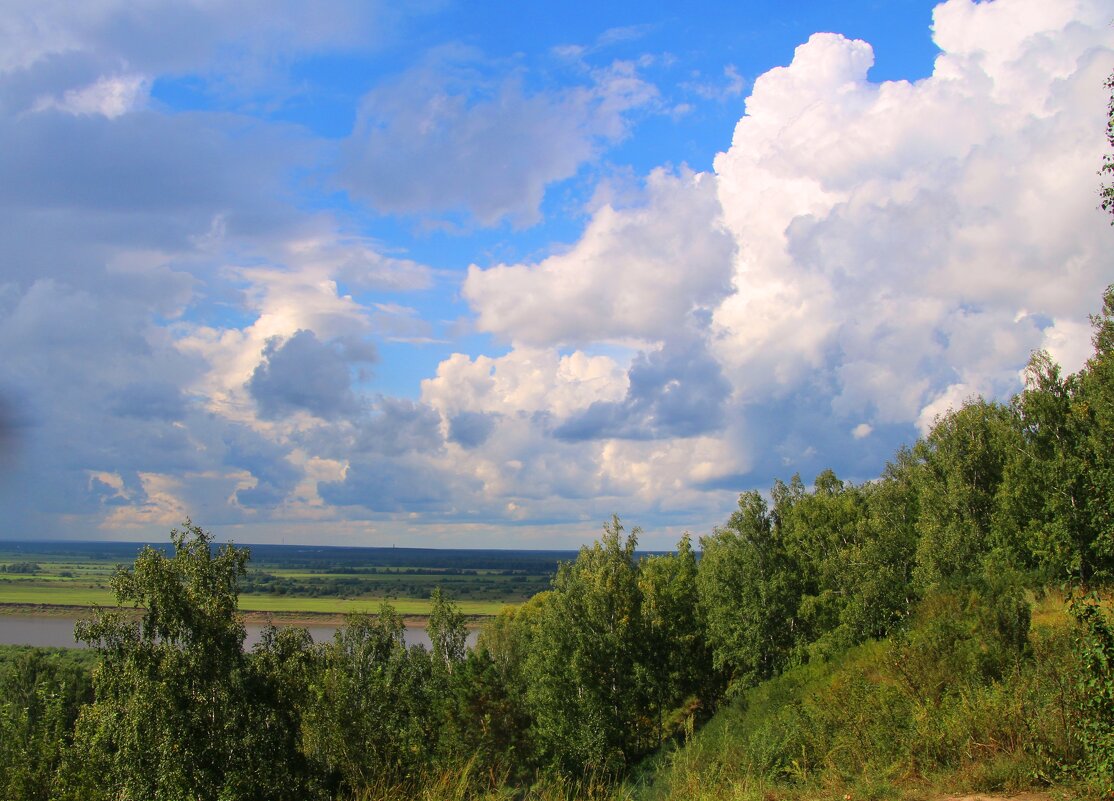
(582, 669)
(446, 632)
(1094, 641)
(1060, 484)
(175, 697)
(486, 725)
(968, 634)
(279, 675)
(369, 718)
(1097, 407)
(858, 724)
(40, 694)
(818, 528)
(839, 559)
(678, 660)
(508, 639)
(748, 594)
(879, 565)
(379, 713)
(1106, 191)
(22, 568)
(598, 666)
(823, 571)
(962, 463)
(474, 720)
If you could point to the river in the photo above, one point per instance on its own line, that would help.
(57, 632)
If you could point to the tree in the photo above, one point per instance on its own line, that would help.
(963, 461)
(451, 672)
(821, 533)
(510, 643)
(1097, 404)
(1094, 642)
(1060, 482)
(488, 727)
(749, 594)
(447, 632)
(175, 700)
(281, 671)
(881, 564)
(1106, 191)
(583, 667)
(678, 662)
(40, 693)
(369, 721)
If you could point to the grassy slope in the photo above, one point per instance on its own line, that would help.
(852, 728)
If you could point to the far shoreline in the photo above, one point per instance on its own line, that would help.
(289, 618)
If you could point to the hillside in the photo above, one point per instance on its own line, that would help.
(927, 714)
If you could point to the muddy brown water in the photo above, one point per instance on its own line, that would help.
(57, 632)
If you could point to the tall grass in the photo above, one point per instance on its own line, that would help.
(910, 717)
(879, 722)
(468, 784)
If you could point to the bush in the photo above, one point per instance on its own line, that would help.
(1095, 646)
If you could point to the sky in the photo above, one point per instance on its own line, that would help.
(466, 274)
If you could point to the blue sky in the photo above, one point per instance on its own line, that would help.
(476, 274)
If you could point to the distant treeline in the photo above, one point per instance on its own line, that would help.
(503, 585)
(623, 651)
(21, 568)
(333, 559)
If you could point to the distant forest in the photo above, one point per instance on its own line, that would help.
(297, 571)
(331, 558)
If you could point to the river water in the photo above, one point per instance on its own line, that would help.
(57, 632)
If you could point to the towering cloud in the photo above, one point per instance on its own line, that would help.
(864, 256)
(213, 307)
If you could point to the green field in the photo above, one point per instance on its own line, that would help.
(404, 606)
(292, 580)
(33, 594)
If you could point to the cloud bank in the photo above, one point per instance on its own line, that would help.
(186, 332)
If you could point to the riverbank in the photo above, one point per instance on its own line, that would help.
(304, 618)
(30, 627)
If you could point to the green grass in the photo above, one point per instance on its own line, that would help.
(853, 728)
(27, 594)
(404, 606)
(392, 576)
(59, 594)
(100, 575)
(17, 578)
(68, 580)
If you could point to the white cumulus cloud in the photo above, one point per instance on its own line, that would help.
(864, 257)
(636, 274)
(889, 233)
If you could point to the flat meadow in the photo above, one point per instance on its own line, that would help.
(41, 578)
